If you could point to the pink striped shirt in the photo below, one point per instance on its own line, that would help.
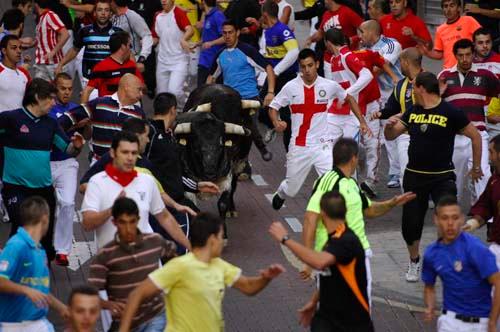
(49, 24)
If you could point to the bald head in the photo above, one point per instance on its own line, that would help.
(130, 89)
(371, 26)
(412, 55)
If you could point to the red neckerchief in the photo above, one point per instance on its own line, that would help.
(123, 178)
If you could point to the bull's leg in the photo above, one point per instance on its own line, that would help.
(223, 206)
(232, 213)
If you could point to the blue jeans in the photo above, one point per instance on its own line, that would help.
(157, 324)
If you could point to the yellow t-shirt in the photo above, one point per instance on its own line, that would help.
(192, 14)
(194, 291)
(494, 107)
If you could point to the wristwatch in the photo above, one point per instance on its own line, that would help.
(284, 239)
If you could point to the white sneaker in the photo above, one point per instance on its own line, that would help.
(413, 274)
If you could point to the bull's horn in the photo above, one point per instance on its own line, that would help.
(204, 108)
(183, 128)
(231, 128)
(249, 103)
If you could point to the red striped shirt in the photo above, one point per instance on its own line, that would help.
(49, 24)
(471, 92)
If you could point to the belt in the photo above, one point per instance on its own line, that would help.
(464, 318)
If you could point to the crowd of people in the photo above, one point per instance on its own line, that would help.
(354, 85)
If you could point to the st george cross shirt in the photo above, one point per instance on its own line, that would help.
(309, 106)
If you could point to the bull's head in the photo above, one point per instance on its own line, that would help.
(204, 138)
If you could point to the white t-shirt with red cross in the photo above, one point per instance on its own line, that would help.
(49, 25)
(169, 29)
(309, 108)
(12, 86)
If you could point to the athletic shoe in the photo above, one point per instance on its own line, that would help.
(266, 154)
(368, 190)
(269, 136)
(62, 260)
(393, 182)
(277, 201)
(413, 274)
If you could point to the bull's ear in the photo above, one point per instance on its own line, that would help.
(182, 141)
(228, 143)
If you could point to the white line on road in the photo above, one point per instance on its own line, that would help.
(294, 224)
(259, 180)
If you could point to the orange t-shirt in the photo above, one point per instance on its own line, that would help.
(448, 34)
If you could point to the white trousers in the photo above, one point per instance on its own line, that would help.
(402, 143)
(171, 80)
(65, 179)
(462, 159)
(368, 256)
(40, 325)
(448, 323)
(299, 161)
(346, 126)
(372, 143)
(392, 154)
(71, 67)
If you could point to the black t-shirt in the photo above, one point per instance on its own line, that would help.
(432, 136)
(343, 295)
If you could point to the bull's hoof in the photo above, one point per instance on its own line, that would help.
(231, 214)
(244, 177)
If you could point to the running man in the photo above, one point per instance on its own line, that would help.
(309, 97)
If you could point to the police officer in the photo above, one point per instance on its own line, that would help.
(432, 125)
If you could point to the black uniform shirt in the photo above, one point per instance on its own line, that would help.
(432, 137)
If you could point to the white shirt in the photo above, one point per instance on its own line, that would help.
(309, 107)
(169, 28)
(281, 7)
(12, 86)
(390, 49)
(102, 192)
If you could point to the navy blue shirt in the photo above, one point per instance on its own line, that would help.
(96, 42)
(24, 262)
(106, 115)
(464, 267)
(56, 112)
(26, 142)
(212, 30)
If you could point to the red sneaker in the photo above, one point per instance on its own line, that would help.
(62, 260)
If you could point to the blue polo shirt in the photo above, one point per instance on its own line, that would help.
(464, 267)
(26, 142)
(212, 30)
(237, 66)
(24, 262)
(55, 113)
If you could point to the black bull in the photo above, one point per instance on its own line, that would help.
(213, 139)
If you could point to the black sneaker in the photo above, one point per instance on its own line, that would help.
(277, 201)
(266, 154)
(368, 190)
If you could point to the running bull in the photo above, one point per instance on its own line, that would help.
(215, 139)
